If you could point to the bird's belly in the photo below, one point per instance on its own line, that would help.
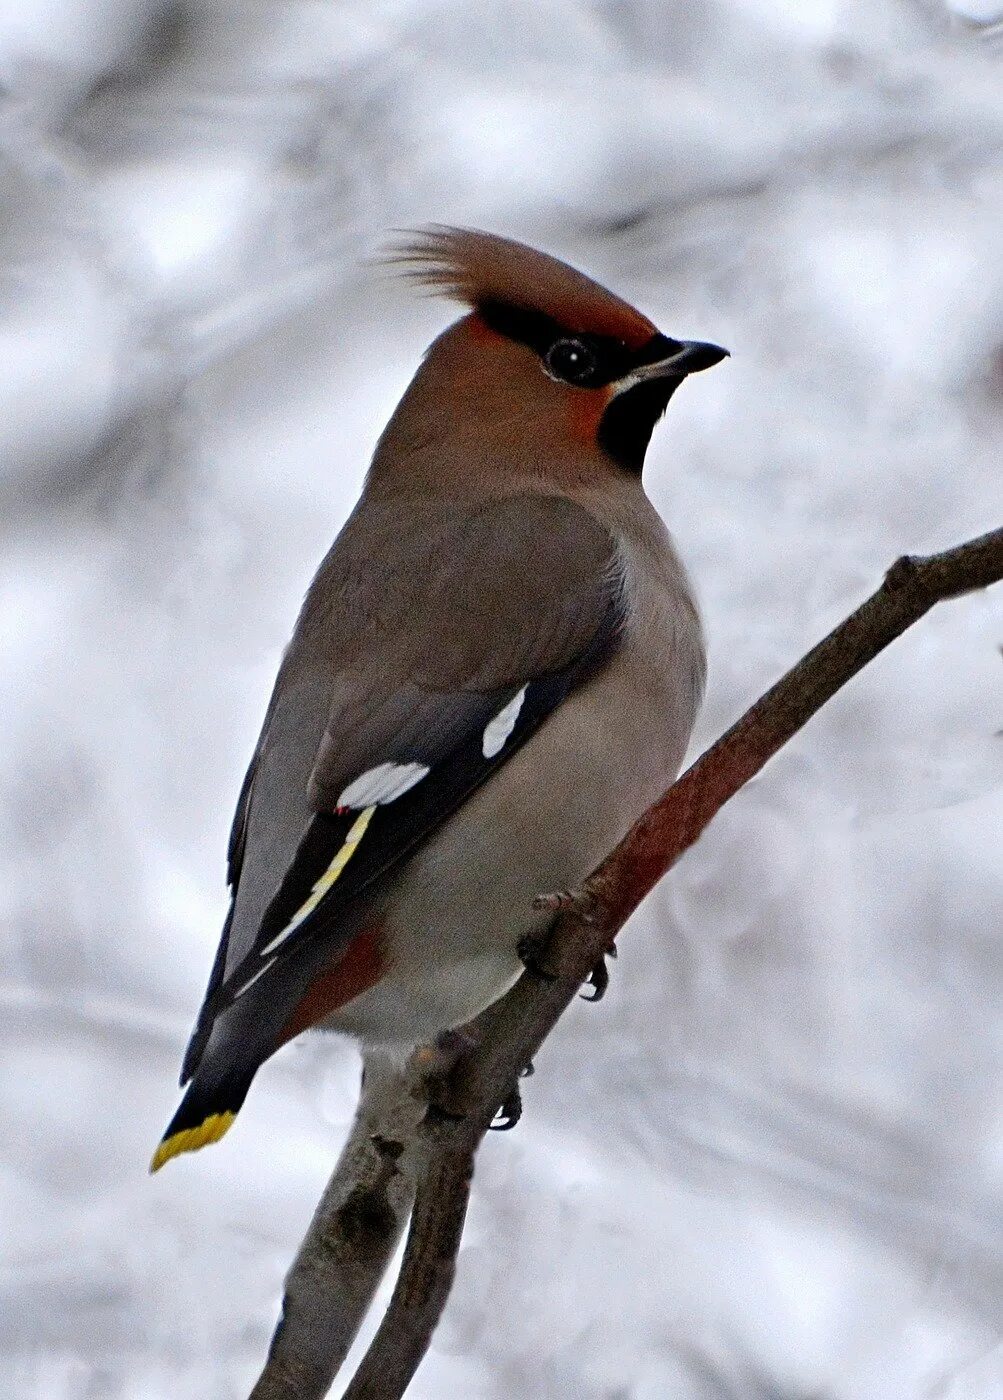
(454, 915)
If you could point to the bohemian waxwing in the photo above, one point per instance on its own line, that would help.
(494, 672)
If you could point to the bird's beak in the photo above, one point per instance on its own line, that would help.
(692, 356)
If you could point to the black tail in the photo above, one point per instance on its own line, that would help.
(210, 1105)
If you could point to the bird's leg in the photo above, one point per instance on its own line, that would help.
(453, 1043)
(580, 904)
(530, 949)
(434, 1063)
(599, 977)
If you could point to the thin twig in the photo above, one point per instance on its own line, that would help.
(587, 924)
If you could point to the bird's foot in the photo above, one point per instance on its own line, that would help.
(509, 1111)
(438, 1113)
(433, 1063)
(530, 949)
(434, 1060)
(457, 1041)
(599, 977)
(580, 903)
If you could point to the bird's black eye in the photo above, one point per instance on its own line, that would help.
(572, 361)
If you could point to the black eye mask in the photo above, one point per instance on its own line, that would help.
(581, 359)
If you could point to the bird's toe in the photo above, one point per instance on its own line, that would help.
(599, 977)
(509, 1111)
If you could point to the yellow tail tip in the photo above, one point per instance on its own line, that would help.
(191, 1139)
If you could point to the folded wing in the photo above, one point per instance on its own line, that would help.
(428, 651)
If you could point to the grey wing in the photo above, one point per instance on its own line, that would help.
(272, 810)
(361, 764)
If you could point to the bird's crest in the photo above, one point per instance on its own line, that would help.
(481, 268)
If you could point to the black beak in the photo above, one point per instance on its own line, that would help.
(640, 398)
(691, 356)
(697, 355)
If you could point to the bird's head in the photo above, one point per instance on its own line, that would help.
(549, 372)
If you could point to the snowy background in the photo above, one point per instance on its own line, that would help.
(770, 1164)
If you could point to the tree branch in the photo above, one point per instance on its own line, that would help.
(350, 1241)
(511, 1032)
(429, 1264)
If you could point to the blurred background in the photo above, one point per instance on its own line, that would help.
(768, 1167)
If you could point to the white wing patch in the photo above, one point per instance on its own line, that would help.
(498, 729)
(384, 783)
(320, 889)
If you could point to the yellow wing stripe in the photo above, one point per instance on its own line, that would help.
(320, 889)
(191, 1139)
(330, 875)
(213, 1127)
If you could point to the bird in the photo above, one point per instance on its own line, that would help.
(495, 671)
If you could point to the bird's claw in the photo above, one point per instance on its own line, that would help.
(509, 1111)
(599, 977)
